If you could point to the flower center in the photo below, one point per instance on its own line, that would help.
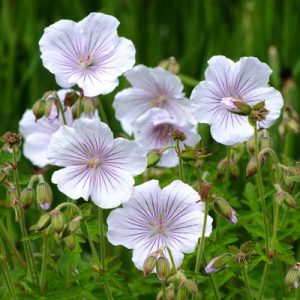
(160, 225)
(86, 62)
(93, 162)
(157, 102)
(164, 131)
(228, 102)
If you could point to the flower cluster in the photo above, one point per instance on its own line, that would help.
(234, 99)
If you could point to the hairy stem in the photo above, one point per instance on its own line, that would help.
(180, 166)
(246, 280)
(44, 263)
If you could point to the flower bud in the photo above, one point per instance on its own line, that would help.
(153, 157)
(43, 222)
(88, 105)
(70, 242)
(170, 65)
(218, 263)
(170, 292)
(57, 220)
(70, 98)
(44, 195)
(289, 200)
(38, 108)
(265, 140)
(182, 293)
(10, 140)
(27, 197)
(224, 209)
(70, 227)
(49, 105)
(162, 268)
(234, 169)
(292, 277)
(204, 190)
(190, 286)
(75, 109)
(251, 168)
(251, 146)
(191, 154)
(149, 264)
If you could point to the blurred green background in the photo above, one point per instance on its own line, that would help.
(190, 30)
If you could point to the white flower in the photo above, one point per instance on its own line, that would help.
(227, 82)
(37, 133)
(155, 217)
(154, 130)
(151, 87)
(95, 164)
(88, 53)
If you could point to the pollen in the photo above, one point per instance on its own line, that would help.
(93, 162)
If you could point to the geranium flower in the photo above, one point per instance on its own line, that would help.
(155, 217)
(155, 129)
(95, 164)
(37, 133)
(88, 53)
(151, 87)
(227, 82)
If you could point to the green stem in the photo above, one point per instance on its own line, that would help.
(180, 166)
(102, 112)
(61, 109)
(27, 246)
(92, 246)
(275, 227)
(227, 172)
(285, 215)
(261, 190)
(5, 269)
(12, 246)
(263, 282)
(174, 270)
(188, 80)
(44, 263)
(163, 285)
(246, 279)
(102, 250)
(201, 242)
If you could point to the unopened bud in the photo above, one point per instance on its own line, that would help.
(251, 168)
(190, 154)
(265, 140)
(234, 169)
(289, 200)
(242, 107)
(70, 227)
(190, 286)
(162, 268)
(44, 195)
(38, 108)
(224, 209)
(182, 293)
(49, 105)
(88, 105)
(70, 241)
(292, 277)
(27, 197)
(204, 190)
(57, 220)
(70, 98)
(149, 264)
(218, 263)
(10, 140)
(170, 292)
(251, 146)
(75, 109)
(170, 65)
(43, 222)
(153, 157)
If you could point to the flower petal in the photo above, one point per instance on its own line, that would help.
(229, 128)
(249, 73)
(73, 181)
(218, 71)
(111, 187)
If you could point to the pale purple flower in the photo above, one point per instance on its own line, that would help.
(95, 164)
(88, 53)
(226, 82)
(154, 129)
(210, 266)
(155, 217)
(151, 87)
(37, 133)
